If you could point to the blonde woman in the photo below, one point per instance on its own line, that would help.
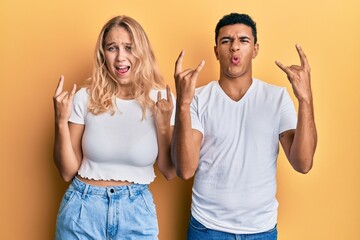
(109, 134)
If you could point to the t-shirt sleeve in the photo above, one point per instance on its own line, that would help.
(172, 119)
(288, 118)
(79, 108)
(195, 117)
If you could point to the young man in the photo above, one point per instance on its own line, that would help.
(227, 133)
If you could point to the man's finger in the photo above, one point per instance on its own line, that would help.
(286, 69)
(282, 67)
(185, 73)
(178, 63)
(59, 86)
(198, 69)
(296, 67)
(303, 58)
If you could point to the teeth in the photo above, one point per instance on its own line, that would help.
(122, 68)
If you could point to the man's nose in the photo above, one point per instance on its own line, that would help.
(235, 46)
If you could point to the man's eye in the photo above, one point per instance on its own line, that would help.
(225, 41)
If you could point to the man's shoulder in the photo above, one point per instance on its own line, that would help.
(268, 87)
(205, 88)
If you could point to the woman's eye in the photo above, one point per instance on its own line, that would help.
(111, 49)
(128, 48)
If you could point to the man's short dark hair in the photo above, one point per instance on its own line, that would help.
(235, 18)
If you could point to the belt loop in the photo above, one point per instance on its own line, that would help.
(130, 191)
(85, 191)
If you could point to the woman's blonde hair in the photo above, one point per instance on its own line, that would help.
(145, 73)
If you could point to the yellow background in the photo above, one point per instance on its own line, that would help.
(40, 40)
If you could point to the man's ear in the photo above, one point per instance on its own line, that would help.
(256, 50)
(216, 52)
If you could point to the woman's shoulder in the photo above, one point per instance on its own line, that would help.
(82, 95)
(82, 92)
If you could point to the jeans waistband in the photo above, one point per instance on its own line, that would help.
(127, 190)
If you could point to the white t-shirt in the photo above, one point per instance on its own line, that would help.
(235, 183)
(122, 146)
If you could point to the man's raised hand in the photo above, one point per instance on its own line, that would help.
(185, 80)
(299, 76)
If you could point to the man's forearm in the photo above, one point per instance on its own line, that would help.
(305, 139)
(184, 150)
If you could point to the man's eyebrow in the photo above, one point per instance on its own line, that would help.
(244, 37)
(226, 38)
(230, 38)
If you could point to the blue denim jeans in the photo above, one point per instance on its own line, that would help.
(197, 231)
(119, 212)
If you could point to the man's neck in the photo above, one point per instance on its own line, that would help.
(235, 88)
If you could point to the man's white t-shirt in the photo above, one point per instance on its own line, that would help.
(235, 183)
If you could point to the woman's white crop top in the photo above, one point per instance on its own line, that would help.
(122, 146)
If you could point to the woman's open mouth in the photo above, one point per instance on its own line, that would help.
(122, 69)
